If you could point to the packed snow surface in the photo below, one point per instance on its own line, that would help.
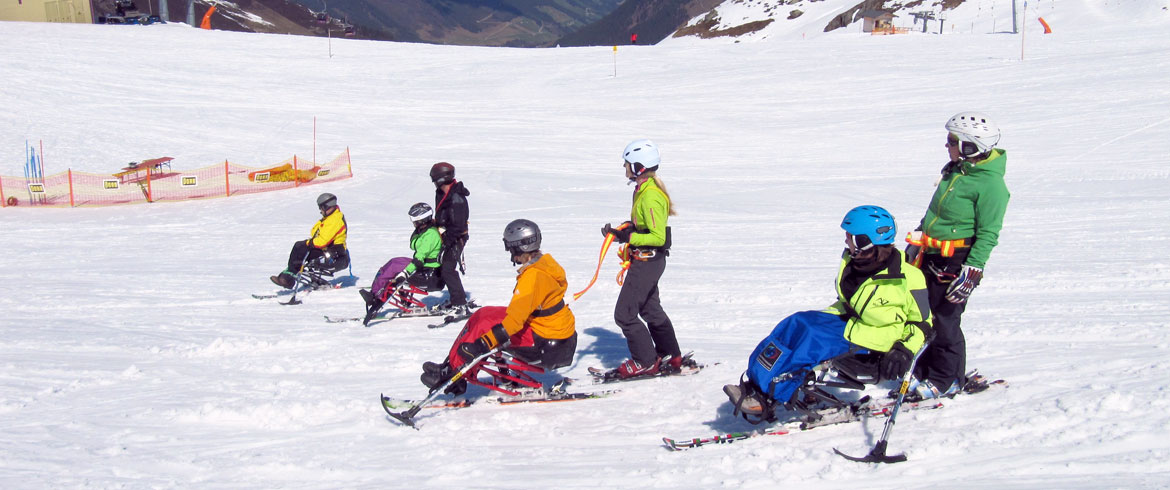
(133, 355)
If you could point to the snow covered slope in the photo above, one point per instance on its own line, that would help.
(132, 355)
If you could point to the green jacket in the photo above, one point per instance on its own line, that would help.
(885, 307)
(969, 203)
(426, 246)
(649, 214)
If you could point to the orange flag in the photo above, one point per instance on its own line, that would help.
(207, 18)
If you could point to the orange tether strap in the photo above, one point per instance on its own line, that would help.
(623, 254)
(600, 259)
(945, 247)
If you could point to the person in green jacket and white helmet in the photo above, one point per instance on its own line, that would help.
(653, 345)
(954, 241)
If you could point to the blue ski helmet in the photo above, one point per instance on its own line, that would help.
(874, 222)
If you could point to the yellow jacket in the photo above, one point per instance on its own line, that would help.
(541, 285)
(330, 230)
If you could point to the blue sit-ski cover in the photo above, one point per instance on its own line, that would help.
(799, 342)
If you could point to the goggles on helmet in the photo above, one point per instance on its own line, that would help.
(857, 244)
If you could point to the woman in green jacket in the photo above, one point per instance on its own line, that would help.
(653, 345)
(954, 241)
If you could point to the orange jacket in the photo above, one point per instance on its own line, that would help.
(540, 285)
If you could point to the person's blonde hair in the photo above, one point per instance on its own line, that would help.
(662, 187)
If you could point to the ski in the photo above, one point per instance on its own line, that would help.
(288, 292)
(420, 313)
(272, 295)
(832, 416)
(449, 319)
(689, 367)
(342, 319)
(390, 405)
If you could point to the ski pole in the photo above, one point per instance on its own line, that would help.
(600, 259)
(298, 281)
(878, 453)
(407, 416)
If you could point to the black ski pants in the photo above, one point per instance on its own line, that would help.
(449, 270)
(639, 297)
(549, 354)
(303, 253)
(945, 359)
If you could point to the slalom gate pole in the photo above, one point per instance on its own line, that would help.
(41, 169)
(878, 453)
(600, 259)
(27, 165)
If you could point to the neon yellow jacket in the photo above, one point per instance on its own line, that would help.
(649, 214)
(330, 230)
(885, 307)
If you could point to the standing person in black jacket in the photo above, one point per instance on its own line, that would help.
(451, 216)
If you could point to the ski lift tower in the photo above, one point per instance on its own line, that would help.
(924, 16)
(1015, 28)
(322, 17)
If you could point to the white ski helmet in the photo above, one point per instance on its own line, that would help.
(642, 155)
(420, 212)
(976, 129)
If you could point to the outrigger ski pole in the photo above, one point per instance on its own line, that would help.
(297, 284)
(878, 453)
(407, 416)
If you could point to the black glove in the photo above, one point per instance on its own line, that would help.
(621, 235)
(912, 252)
(914, 247)
(398, 280)
(468, 351)
(896, 362)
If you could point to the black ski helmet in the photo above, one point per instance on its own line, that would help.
(420, 212)
(442, 173)
(326, 201)
(521, 236)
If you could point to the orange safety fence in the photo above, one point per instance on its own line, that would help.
(155, 184)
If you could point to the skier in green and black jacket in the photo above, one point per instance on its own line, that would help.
(954, 241)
